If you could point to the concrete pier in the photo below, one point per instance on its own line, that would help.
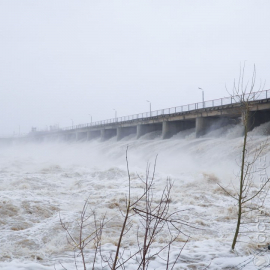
(203, 124)
(143, 129)
(81, 136)
(207, 124)
(107, 134)
(71, 136)
(170, 128)
(93, 134)
(125, 131)
(256, 118)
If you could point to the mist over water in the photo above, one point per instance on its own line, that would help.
(41, 180)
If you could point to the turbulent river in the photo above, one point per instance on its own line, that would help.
(41, 182)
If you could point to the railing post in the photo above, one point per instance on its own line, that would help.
(188, 107)
(212, 103)
(221, 101)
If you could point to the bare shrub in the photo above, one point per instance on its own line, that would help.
(157, 229)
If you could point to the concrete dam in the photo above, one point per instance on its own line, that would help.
(202, 116)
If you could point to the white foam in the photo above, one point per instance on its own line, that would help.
(40, 180)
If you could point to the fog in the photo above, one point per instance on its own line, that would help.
(65, 61)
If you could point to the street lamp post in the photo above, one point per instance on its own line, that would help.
(72, 122)
(150, 107)
(202, 95)
(115, 114)
(91, 119)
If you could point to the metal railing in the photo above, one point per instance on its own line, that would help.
(179, 109)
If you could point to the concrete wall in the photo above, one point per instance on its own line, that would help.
(80, 136)
(70, 136)
(125, 131)
(170, 128)
(93, 134)
(206, 124)
(106, 134)
(53, 137)
(143, 129)
(257, 118)
(37, 138)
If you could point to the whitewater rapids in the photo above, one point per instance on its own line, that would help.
(40, 180)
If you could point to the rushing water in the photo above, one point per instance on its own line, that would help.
(39, 181)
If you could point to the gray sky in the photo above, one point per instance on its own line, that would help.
(63, 60)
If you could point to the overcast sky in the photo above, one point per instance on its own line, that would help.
(66, 60)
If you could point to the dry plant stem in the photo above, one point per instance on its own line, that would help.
(145, 248)
(126, 217)
(165, 219)
(154, 217)
(97, 240)
(155, 220)
(176, 259)
(81, 243)
(241, 185)
(243, 93)
(79, 247)
(120, 237)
